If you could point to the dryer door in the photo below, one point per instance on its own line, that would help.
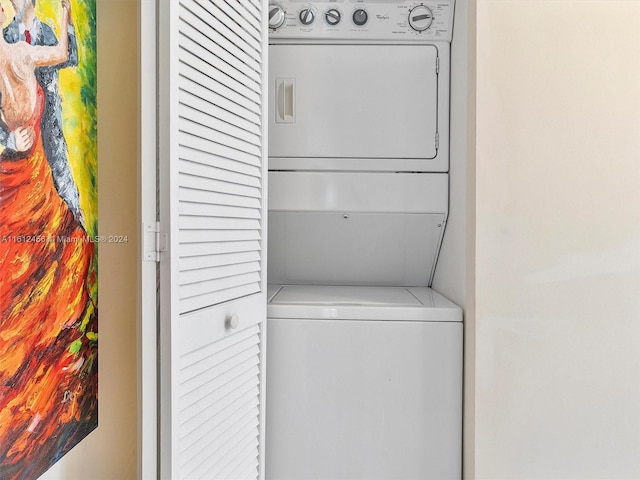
(345, 102)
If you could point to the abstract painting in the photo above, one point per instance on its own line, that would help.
(48, 232)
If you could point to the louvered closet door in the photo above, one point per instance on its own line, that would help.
(212, 205)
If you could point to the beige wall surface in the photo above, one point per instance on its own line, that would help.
(557, 325)
(109, 452)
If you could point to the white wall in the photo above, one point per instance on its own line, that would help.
(557, 323)
(109, 452)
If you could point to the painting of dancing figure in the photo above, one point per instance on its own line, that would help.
(48, 232)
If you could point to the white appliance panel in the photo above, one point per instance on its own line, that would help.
(359, 191)
(390, 20)
(353, 101)
(353, 248)
(364, 400)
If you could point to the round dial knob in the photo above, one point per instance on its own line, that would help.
(306, 16)
(276, 16)
(420, 18)
(332, 16)
(360, 17)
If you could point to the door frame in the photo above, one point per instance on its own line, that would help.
(147, 325)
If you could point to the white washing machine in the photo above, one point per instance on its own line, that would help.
(364, 377)
(363, 383)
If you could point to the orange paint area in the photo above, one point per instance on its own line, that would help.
(48, 321)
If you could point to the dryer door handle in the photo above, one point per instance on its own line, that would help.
(285, 97)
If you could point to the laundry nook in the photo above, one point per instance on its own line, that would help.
(365, 358)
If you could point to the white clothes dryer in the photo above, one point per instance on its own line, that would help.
(359, 86)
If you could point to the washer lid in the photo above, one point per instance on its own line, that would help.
(360, 303)
(347, 295)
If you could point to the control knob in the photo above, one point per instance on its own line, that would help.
(276, 16)
(332, 16)
(306, 16)
(420, 18)
(360, 17)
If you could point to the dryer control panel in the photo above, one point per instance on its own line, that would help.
(430, 20)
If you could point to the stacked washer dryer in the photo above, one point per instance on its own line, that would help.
(365, 360)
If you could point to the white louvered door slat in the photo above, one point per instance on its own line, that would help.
(252, 6)
(207, 261)
(244, 22)
(206, 223)
(189, 99)
(213, 354)
(207, 237)
(211, 98)
(201, 164)
(224, 184)
(204, 118)
(212, 205)
(216, 198)
(197, 442)
(188, 140)
(201, 71)
(215, 211)
(194, 295)
(216, 136)
(205, 160)
(203, 427)
(218, 56)
(197, 24)
(203, 280)
(217, 179)
(222, 62)
(200, 249)
(245, 42)
(214, 18)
